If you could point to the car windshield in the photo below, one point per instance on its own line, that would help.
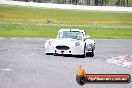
(72, 34)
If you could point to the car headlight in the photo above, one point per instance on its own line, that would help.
(50, 42)
(77, 44)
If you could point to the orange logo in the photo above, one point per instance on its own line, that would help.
(83, 78)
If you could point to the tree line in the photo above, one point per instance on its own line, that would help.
(82, 2)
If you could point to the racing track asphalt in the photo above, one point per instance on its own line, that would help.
(23, 64)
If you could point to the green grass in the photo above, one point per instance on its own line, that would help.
(50, 31)
(33, 22)
(37, 15)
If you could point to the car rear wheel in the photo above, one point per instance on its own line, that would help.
(90, 54)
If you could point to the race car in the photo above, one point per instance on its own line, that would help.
(71, 41)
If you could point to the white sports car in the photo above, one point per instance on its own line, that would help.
(70, 41)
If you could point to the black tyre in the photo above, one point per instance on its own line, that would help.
(90, 54)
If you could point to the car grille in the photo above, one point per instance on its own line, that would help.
(62, 47)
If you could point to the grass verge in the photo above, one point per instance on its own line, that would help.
(37, 22)
(50, 31)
